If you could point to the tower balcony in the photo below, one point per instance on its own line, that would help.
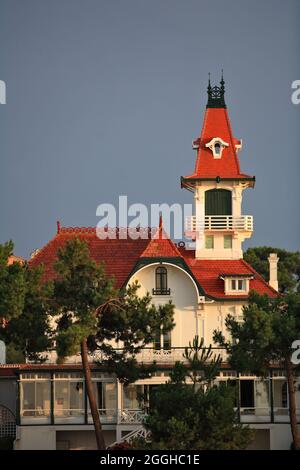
(218, 222)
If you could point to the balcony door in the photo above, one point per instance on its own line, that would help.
(218, 202)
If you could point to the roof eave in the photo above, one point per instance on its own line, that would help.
(189, 182)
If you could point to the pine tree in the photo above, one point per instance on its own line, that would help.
(29, 334)
(190, 412)
(90, 313)
(266, 335)
(288, 266)
(12, 286)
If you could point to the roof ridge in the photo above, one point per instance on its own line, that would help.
(39, 251)
(232, 143)
(158, 237)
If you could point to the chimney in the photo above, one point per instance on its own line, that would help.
(273, 279)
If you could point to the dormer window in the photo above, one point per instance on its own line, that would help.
(217, 145)
(238, 285)
(217, 148)
(235, 284)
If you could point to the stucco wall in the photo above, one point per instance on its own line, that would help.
(53, 437)
(183, 296)
(191, 318)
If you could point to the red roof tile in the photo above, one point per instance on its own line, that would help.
(121, 255)
(160, 246)
(217, 124)
(208, 272)
(118, 255)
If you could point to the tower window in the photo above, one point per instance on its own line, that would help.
(209, 242)
(217, 145)
(218, 202)
(227, 242)
(161, 282)
(217, 148)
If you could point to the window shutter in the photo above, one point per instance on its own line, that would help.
(218, 202)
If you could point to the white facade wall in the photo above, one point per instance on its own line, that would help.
(191, 317)
(218, 252)
(184, 296)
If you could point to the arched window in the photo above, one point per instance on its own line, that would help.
(218, 202)
(161, 282)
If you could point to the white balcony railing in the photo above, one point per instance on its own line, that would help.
(127, 416)
(218, 222)
(147, 355)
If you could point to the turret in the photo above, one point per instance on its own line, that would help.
(218, 225)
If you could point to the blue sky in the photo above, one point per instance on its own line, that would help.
(105, 97)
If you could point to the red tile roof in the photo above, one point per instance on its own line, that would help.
(160, 246)
(217, 124)
(118, 255)
(208, 272)
(121, 255)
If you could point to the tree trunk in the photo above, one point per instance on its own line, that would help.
(92, 400)
(292, 403)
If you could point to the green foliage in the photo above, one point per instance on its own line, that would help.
(200, 416)
(12, 288)
(185, 418)
(178, 374)
(266, 334)
(288, 266)
(203, 364)
(13, 355)
(87, 306)
(128, 370)
(29, 334)
(79, 290)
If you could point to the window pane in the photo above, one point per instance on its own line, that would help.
(167, 340)
(28, 396)
(280, 394)
(209, 241)
(241, 284)
(35, 402)
(110, 396)
(161, 282)
(131, 393)
(217, 149)
(98, 394)
(68, 401)
(247, 393)
(76, 395)
(233, 284)
(157, 340)
(218, 202)
(227, 241)
(61, 398)
(43, 398)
